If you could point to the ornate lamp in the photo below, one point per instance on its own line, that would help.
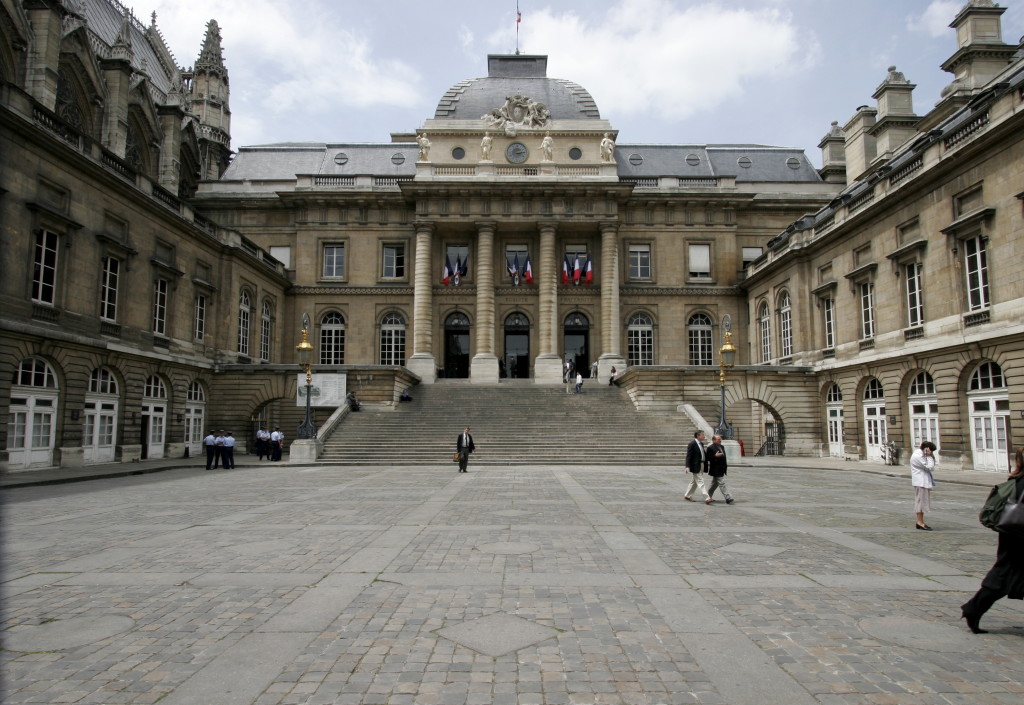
(304, 351)
(726, 359)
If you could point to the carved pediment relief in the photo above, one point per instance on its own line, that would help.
(518, 111)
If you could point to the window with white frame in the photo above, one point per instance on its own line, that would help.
(244, 319)
(199, 325)
(393, 261)
(764, 323)
(750, 254)
(867, 310)
(828, 307)
(332, 339)
(265, 331)
(700, 261)
(639, 261)
(108, 288)
(392, 340)
(923, 403)
(334, 261)
(44, 267)
(915, 301)
(976, 270)
(786, 325)
(701, 340)
(640, 340)
(154, 388)
(160, 291)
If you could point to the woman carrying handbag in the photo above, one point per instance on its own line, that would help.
(1006, 577)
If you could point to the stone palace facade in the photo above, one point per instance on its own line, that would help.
(155, 280)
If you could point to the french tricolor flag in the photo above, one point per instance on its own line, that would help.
(528, 271)
(565, 270)
(446, 275)
(588, 275)
(576, 272)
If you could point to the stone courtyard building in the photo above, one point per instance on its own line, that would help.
(156, 281)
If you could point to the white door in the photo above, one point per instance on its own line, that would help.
(31, 429)
(156, 417)
(989, 423)
(194, 422)
(835, 432)
(99, 429)
(924, 422)
(874, 430)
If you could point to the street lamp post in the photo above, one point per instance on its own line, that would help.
(304, 350)
(726, 359)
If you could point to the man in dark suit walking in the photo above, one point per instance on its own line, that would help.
(464, 445)
(696, 463)
(718, 465)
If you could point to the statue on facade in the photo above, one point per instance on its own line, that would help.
(608, 148)
(547, 147)
(518, 110)
(424, 144)
(485, 147)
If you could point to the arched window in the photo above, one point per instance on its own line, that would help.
(874, 390)
(392, 340)
(989, 375)
(244, 312)
(990, 418)
(102, 381)
(785, 325)
(155, 388)
(34, 373)
(640, 340)
(196, 392)
(702, 347)
(332, 339)
(834, 395)
(265, 332)
(924, 410)
(765, 332)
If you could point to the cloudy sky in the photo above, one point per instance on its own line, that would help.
(679, 71)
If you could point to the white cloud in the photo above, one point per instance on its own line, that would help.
(651, 56)
(936, 17)
(291, 62)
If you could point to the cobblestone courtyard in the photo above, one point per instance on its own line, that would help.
(530, 585)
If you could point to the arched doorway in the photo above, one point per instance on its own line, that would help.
(834, 410)
(32, 421)
(195, 418)
(517, 346)
(456, 346)
(99, 423)
(989, 409)
(875, 432)
(154, 418)
(576, 340)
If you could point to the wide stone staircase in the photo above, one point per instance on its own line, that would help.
(514, 423)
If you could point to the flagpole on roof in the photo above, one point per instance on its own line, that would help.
(519, 18)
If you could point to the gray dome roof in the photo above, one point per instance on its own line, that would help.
(512, 74)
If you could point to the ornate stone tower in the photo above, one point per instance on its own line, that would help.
(208, 101)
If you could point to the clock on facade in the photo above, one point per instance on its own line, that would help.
(517, 153)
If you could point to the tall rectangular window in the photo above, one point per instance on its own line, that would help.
(829, 307)
(639, 261)
(867, 310)
(108, 288)
(976, 269)
(160, 307)
(44, 270)
(200, 317)
(700, 261)
(334, 261)
(915, 304)
(394, 262)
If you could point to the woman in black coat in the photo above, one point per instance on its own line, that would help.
(1006, 577)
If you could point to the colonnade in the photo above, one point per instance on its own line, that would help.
(547, 273)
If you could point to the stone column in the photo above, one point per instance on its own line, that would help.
(422, 362)
(611, 334)
(484, 366)
(548, 365)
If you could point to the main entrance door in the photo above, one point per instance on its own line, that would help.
(517, 346)
(456, 346)
(576, 341)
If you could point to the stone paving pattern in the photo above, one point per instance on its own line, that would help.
(535, 585)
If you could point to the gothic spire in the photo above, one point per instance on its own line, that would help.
(210, 57)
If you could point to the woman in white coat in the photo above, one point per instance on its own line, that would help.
(922, 465)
